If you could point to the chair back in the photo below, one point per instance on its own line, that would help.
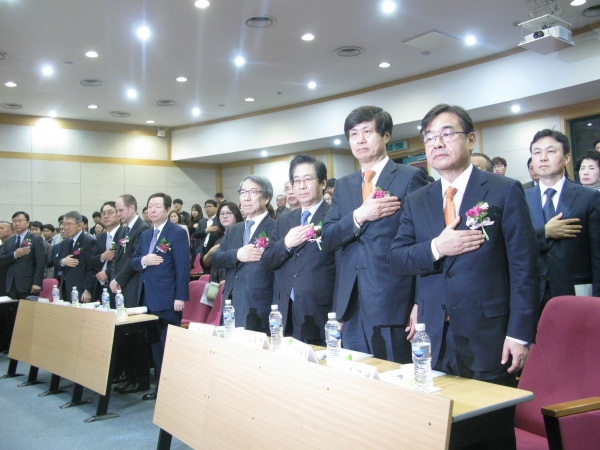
(197, 268)
(206, 277)
(214, 318)
(564, 363)
(47, 285)
(194, 311)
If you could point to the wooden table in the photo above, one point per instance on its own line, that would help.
(73, 343)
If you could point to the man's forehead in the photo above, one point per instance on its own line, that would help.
(362, 125)
(442, 122)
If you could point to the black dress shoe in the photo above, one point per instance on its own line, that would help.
(151, 396)
(134, 387)
(120, 378)
(121, 386)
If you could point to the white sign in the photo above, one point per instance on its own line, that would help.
(356, 368)
(203, 328)
(253, 338)
(295, 348)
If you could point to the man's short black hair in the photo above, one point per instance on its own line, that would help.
(36, 224)
(84, 219)
(211, 202)
(113, 204)
(591, 154)
(96, 214)
(560, 137)
(166, 199)
(528, 162)
(383, 120)
(145, 209)
(330, 183)
(463, 117)
(178, 200)
(18, 213)
(498, 160)
(219, 195)
(49, 226)
(303, 158)
(60, 219)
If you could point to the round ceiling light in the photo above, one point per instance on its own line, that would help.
(165, 103)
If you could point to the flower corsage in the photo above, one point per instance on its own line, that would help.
(78, 251)
(380, 193)
(163, 246)
(314, 234)
(262, 240)
(123, 243)
(477, 217)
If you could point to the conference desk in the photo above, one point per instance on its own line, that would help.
(73, 343)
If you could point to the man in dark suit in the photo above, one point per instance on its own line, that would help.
(25, 258)
(535, 178)
(163, 258)
(7, 318)
(281, 208)
(477, 296)
(105, 251)
(5, 232)
(75, 259)
(306, 272)
(566, 217)
(207, 226)
(247, 282)
(373, 303)
(54, 256)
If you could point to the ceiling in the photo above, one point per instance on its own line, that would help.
(201, 45)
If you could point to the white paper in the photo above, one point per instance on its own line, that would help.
(355, 368)
(203, 328)
(398, 377)
(43, 300)
(297, 349)
(583, 290)
(350, 355)
(6, 299)
(253, 338)
(90, 305)
(137, 310)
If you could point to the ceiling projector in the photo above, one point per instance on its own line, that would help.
(549, 34)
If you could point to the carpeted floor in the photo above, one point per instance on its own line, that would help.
(31, 422)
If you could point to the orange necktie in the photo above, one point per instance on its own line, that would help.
(450, 209)
(367, 187)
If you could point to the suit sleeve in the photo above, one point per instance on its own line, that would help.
(594, 237)
(276, 254)
(90, 275)
(200, 232)
(6, 257)
(136, 259)
(337, 230)
(181, 258)
(40, 261)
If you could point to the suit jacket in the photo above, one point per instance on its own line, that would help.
(488, 294)
(27, 270)
(200, 232)
(97, 260)
(385, 298)
(159, 286)
(529, 185)
(279, 213)
(83, 276)
(3, 270)
(121, 269)
(310, 271)
(249, 285)
(569, 262)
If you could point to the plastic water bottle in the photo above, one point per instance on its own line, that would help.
(333, 337)
(55, 294)
(105, 299)
(120, 302)
(276, 327)
(228, 319)
(421, 355)
(75, 297)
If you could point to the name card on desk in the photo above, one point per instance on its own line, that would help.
(43, 300)
(294, 348)
(203, 328)
(356, 368)
(253, 338)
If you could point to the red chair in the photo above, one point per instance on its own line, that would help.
(563, 372)
(194, 311)
(205, 277)
(47, 285)
(196, 268)
(214, 318)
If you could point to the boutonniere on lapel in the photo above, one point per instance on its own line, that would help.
(380, 193)
(26, 243)
(78, 252)
(477, 217)
(262, 240)
(163, 246)
(113, 245)
(314, 234)
(123, 242)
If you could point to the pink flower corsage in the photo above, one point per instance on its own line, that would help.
(26, 243)
(477, 217)
(78, 252)
(380, 193)
(163, 246)
(314, 234)
(262, 240)
(123, 242)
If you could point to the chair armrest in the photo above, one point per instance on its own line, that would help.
(573, 407)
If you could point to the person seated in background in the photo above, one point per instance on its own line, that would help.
(291, 198)
(36, 228)
(98, 230)
(482, 162)
(178, 206)
(499, 165)
(97, 219)
(48, 232)
(281, 208)
(597, 145)
(588, 166)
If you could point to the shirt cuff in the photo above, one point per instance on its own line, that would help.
(434, 251)
(525, 343)
(356, 226)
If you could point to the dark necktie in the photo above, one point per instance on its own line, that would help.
(248, 231)
(549, 211)
(18, 241)
(304, 218)
(154, 240)
(127, 230)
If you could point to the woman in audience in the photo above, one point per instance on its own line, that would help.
(99, 228)
(588, 166)
(227, 215)
(192, 226)
(175, 217)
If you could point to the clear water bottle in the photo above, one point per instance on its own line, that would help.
(75, 297)
(276, 327)
(228, 319)
(421, 355)
(105, 299)
(55, 294)
(120, 302)
(333, 337)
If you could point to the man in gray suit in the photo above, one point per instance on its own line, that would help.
(306, 271)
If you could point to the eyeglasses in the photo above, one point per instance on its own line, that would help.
(253, 192)
(446, 137)
(107, 213)
(307, 181)
(498, 166)
(225, 214)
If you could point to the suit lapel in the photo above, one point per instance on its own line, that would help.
(262, 226)
(567, 199)
(355, 185)
(387, 176)
(435, 208)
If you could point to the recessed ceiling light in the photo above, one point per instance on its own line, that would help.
(239, 61)
(181, 79)
(337, 142)
(149, 121)
(93, 106)
(384, 65)
(202, 4)
(578, 2)
(47, 70)
(312, 85)
(143, 33)
(91, 54)
(470, 40)
(263, 153)
(10, 84)
(52, 114)
(196, 111)
(249, 99)
(131, 93)
(388, 7)
(515, 108)
(308, 37)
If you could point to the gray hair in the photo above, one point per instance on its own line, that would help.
(73, 215)
(265, 185)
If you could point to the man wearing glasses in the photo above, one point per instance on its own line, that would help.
(247, 282)
(372, 301)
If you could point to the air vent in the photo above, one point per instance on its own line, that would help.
(119, 114)
(348, 52)
(91, 83)
(2, 56)
(165, 103)
(592, 11)
(11, 106)
(259, 22)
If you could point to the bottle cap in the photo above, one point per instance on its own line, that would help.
(118, 291)
(55, 285)
(228, 302)
(274, 307)
(331, 315)
(420, 327)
